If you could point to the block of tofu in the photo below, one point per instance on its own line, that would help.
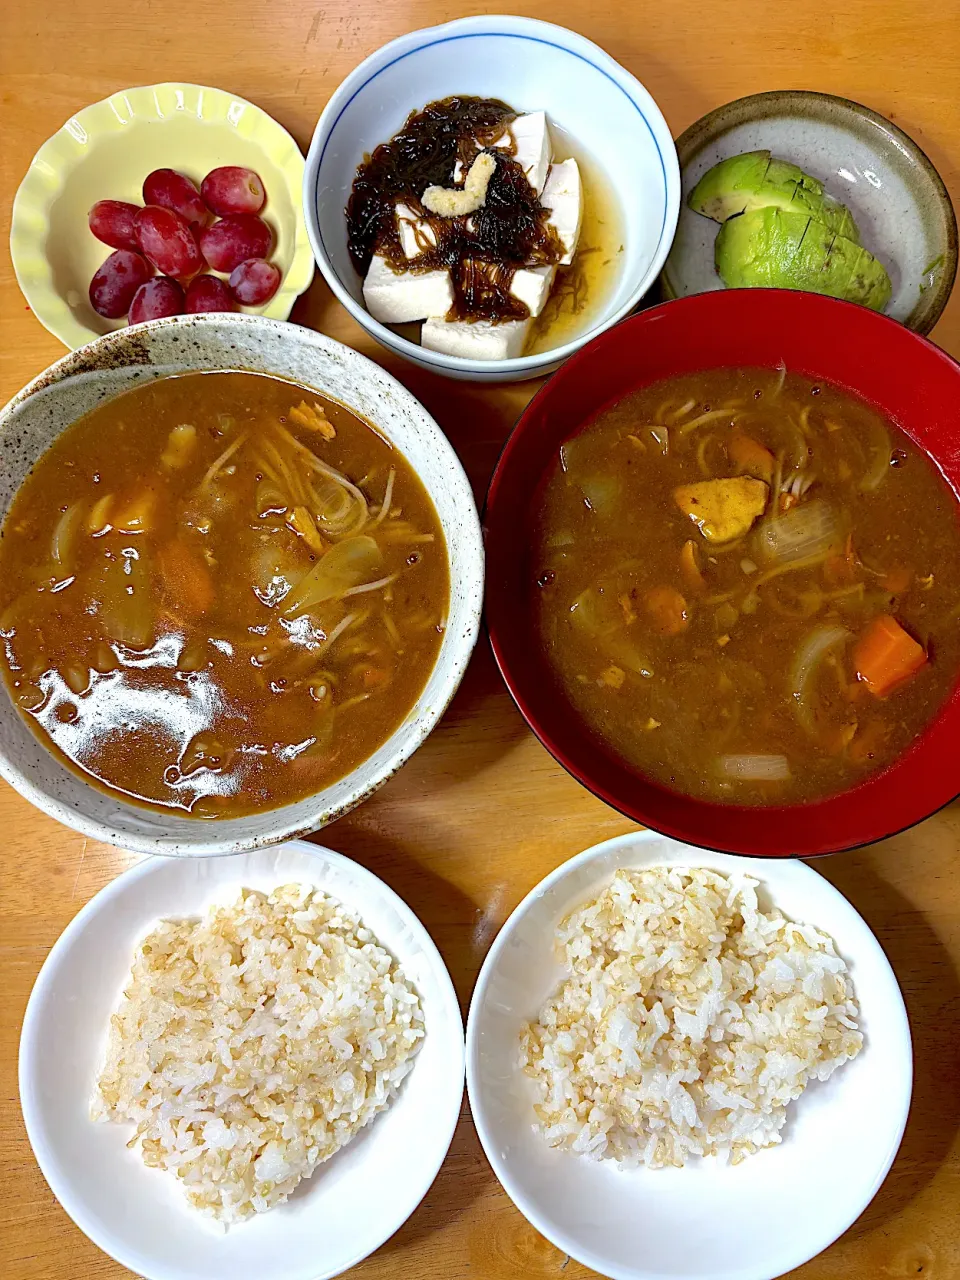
(476, 339)
(395, 297)
(723, 509)
(563, 196)
(532, 285)
(416, 234)
(534, 151)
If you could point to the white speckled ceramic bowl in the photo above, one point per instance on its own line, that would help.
(892, 189)
(532, 66)
(118, 361)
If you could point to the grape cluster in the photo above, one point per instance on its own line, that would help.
(182, 232)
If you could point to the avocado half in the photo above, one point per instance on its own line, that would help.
(757, 180)
(775, 248)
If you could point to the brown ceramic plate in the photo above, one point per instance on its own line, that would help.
(891, 187)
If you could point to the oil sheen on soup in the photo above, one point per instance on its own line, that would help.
(746, 585)
(220, 593)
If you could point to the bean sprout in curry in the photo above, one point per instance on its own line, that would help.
(219, 593)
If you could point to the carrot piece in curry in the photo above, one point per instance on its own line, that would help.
(627, 609)
(749, 456)
(842, 570)
(667, 609)
(185, 578)
(885, 656)
(897, 579)
(867, 742)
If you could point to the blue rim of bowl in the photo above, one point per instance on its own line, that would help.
(533, 363)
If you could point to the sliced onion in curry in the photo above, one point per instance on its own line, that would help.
(65, 534)
(808, 533)
(347, 565)
(879, 452)
(754, 768)
(597, 615)
(805, 665)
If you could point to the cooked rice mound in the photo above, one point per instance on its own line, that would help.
(691, 1020)
(251, 1045)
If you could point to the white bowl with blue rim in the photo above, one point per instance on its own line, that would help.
(532, 66)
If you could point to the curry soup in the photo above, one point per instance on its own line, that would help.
(747, 585)
(220, 593)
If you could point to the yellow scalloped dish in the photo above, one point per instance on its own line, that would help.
(105, 151)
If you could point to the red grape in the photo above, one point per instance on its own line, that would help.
(208, 293)
(172, 190)
(116, 281)
(254, 282)
(233, 190)
(112, 222)
(166, 239)
(157, 298)
(232, 240)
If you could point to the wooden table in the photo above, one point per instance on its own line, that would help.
(482, 812)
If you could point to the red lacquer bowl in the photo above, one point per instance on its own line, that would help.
(909, 379)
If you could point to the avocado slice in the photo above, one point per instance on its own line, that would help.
(868, 282)
(773, 248)
(756, 180)
(758, 249)
(726, 189)
(837, 217)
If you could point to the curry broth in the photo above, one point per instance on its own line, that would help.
(147, 569)
(729, 670)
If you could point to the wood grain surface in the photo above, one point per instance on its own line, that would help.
(482, 812)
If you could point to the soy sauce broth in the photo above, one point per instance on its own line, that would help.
(583, 289)
(731, 670)
(219, 593)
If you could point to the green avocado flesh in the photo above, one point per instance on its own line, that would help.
(771, 248)
(756, 180)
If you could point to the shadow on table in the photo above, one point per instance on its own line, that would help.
(481, 725)
(463, 1179)
(931, 991)
(448, 915)
(475, 422)
(452, 921)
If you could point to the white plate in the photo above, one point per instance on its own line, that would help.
(754, 1221)
(139, 1215)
